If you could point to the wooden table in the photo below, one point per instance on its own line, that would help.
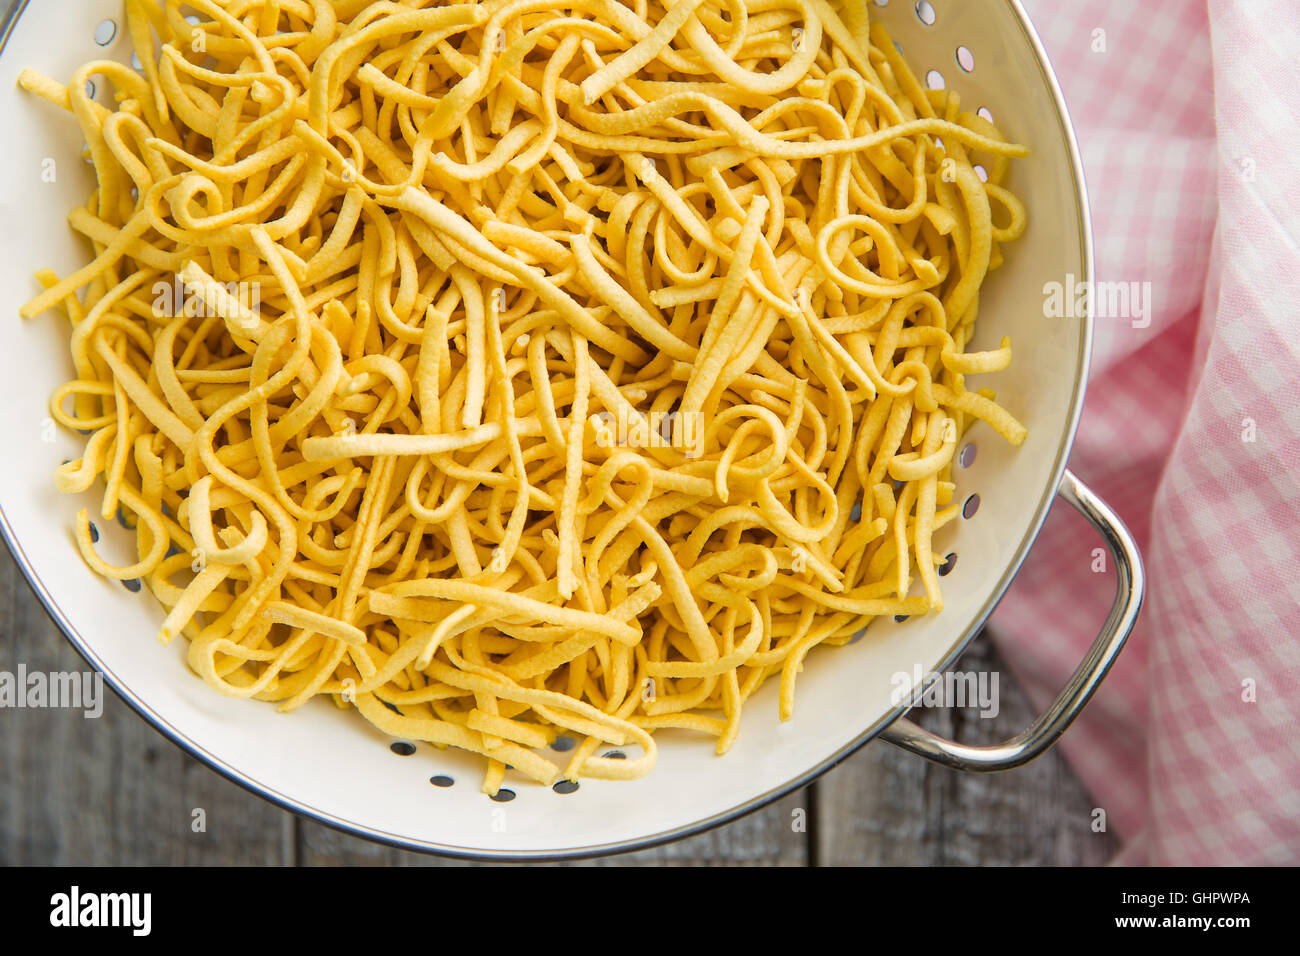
(114, 791)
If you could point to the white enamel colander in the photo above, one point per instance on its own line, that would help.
(330, 764)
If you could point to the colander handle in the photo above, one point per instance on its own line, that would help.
(1087, 677)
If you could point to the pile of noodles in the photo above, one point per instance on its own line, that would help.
(539, 368)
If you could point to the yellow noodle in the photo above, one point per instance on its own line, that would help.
(530, 362)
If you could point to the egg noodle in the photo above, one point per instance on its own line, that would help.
(606, 358)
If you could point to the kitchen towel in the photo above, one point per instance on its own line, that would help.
(1188, 119)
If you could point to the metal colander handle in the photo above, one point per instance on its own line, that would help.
(1087, 677)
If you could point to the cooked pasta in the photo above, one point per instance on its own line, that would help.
(517, 369)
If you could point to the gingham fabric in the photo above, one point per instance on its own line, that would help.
(1189, 123)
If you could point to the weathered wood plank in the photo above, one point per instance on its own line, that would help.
(886, 806)
(109, 790)
(765, 838)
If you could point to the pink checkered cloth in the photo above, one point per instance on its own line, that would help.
(1191, 430)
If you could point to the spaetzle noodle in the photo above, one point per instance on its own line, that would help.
(539, 368)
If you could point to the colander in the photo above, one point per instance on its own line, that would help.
(330, 764)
